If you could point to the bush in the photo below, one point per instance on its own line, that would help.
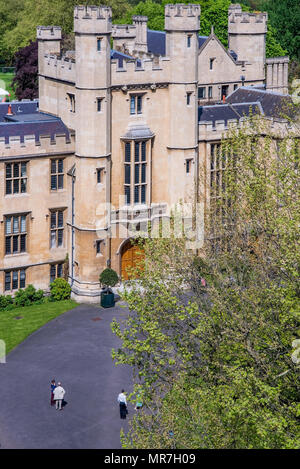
(108, 278)
(28, 296)
(60, 290)
(5, 301)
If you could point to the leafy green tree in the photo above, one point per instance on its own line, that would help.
(22, 28)
(213, 13)
(284, 16)
(213, 364)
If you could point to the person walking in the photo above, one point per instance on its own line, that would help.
(59, 393)
(123, 404)
(53, 386)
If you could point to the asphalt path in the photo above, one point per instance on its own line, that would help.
(74, 348)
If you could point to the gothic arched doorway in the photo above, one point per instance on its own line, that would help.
(132, 255)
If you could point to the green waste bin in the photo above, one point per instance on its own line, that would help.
(107, 299)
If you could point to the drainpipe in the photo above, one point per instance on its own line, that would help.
(73, 220)
(71, 173)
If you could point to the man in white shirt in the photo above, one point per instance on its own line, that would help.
(123, 404)
(59, 393)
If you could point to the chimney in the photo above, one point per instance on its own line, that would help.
(9, 112)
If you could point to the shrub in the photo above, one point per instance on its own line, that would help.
(108, 277)
(5, 301)
(60, 290)
(28, 296)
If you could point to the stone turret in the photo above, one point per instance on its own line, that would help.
(247, 37)
(182, 17)
(182, 24)
(92, 27)
(49, 42)
(92, 19)
(140, 22)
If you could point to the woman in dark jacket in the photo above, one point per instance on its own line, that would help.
(53, 386)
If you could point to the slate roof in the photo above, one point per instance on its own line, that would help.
(273, 104)
(157, 41)
(27, 120)
(225, 112)
(116, 55)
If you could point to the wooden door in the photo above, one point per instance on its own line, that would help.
(132, 256)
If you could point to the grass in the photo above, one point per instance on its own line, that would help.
(14, 331)
(5, 82)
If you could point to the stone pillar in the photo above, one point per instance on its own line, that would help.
(269, 75)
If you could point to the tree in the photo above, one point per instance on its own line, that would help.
(26, 74)
(284, 16)
(213, 13)
(213, 364)
(21, 28)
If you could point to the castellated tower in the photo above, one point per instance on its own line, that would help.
(49, 42)
(247, 37)
(182, 24)
(140, 22)
(92, 26)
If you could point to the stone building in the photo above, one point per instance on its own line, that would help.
(119, 135)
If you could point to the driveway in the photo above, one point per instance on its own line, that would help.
(75, 349)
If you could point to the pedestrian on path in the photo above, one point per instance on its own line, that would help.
(59, 393)
(53, 386)
(123, 404)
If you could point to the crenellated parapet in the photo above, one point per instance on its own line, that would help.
(92, 20)
(61, 68)
(218, 129)
(182, 17)
(31, 145)
(241, 22)
(149, 70)
(48, 33)
(123, 31)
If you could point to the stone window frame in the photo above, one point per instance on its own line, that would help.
(57, 227)
(72, 102)
(136, 103)
(58, 271)
(20, 235)
(57, 174)
(16, 180)
(15, 275)
(203, 88)
(188, 165)
(135, 172)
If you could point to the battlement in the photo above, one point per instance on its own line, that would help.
(209, 130)
(92, 20)
(61, 68)
(48, 33)
(149, 70)
(30, 145)
(139, 19)
(123, 31)
(241, 22)
(182, 17)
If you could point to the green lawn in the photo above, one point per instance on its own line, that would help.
(13, 331)
(5, 82)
